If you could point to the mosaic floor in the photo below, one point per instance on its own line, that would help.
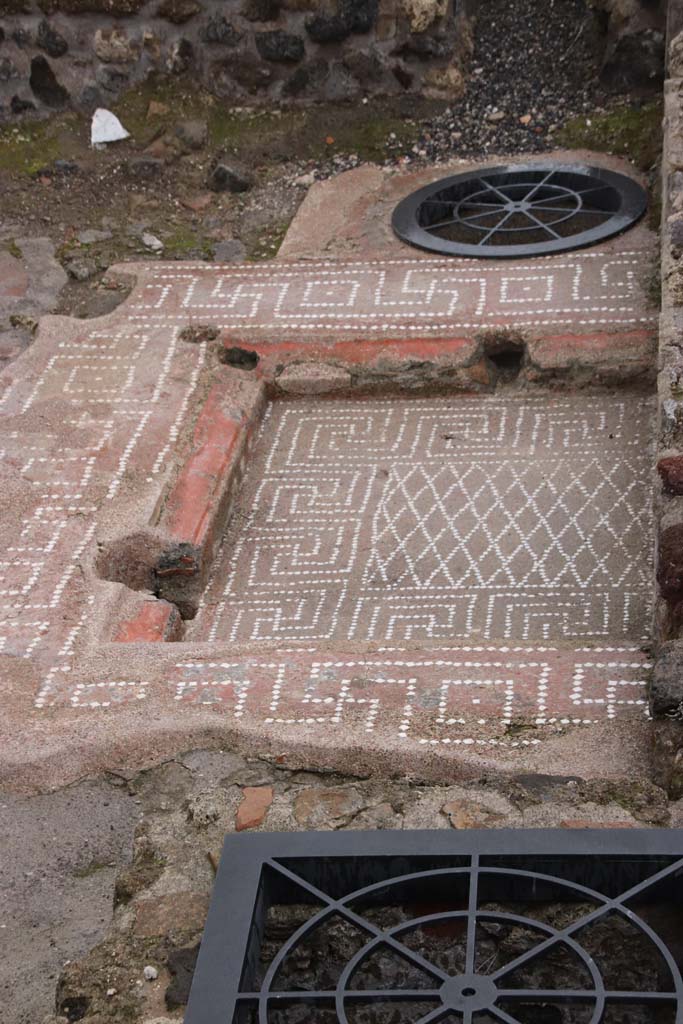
(397, 572)
(416, 522)
(585, 290)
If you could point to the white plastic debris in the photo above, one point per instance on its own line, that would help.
(106, 127)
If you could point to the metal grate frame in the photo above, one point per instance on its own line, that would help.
(611, 880)
(519, 211)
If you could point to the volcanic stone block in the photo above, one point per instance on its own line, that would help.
(280, 46)
(219, 30)
(666, 688)
(50, 40)
(324, 28)
(359, 14)
(311, 75)
(261, 10)
(228, 178)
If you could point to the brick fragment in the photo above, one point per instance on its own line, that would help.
(255, 803)
(670, 561)
(155, 622)
(585, 823)
(670, 470)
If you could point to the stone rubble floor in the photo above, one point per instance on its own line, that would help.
(66, 863)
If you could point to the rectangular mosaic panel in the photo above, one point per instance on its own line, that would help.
(412, 522)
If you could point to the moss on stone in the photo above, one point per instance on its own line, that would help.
(28, 149)
(264, 137)
(266, 243)
(367, 135)
(631, 131)
(132, 108)
(315, 133)
(184, 242)
(645, 801)
(148, 865)
(14, 250)
(90, 869)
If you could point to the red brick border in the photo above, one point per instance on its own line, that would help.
(218, 442)
(198, 504)
(196, 509)
(622, 355)
(156, 621)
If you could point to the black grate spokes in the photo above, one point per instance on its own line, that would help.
(519, 211)
(471, 991)
(387, 938)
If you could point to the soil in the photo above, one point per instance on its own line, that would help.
(532, 96)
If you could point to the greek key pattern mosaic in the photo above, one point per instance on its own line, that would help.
(402, 527)
(91, 413)
(422, 521)
(420, 296)
(472, 696)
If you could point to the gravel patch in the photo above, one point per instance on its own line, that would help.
(535, 65)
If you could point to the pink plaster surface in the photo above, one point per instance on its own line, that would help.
(349, 216)
(98, 421)
(577, 293)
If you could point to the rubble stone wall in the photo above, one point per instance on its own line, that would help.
(666, 690)
(670, 463)
(84, 53)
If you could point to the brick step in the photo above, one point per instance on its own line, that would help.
(587, 310)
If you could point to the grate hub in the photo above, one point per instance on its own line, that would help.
(469, 992)
(520, 210)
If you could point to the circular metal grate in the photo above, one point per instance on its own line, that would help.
(519, 210)
(501, 954)
(517, 927)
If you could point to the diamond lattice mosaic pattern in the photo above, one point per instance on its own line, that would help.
(420, 521)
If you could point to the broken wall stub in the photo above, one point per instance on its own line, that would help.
(670, 463)
(635, 34)
(666, 690)
(84, 53)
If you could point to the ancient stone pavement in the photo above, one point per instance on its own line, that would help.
(221, 523)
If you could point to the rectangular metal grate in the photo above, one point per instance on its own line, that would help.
(518, 927)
